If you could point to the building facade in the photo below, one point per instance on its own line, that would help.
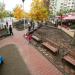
(53, 6)
(57, 5)
(68, 4)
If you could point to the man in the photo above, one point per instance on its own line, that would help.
(10, 30)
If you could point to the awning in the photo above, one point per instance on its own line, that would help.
(69, 17)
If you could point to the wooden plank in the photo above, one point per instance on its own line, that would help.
(69, 59)
(53, 43)
(53, 49)
(36, 38)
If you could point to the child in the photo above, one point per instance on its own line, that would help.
(29, 37)
(25, 36)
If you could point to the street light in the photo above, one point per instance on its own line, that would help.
(61, 19)
(23, 9)
(61, 16)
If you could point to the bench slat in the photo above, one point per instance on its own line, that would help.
(46, 44)
(69, 59)
(36, 38)
(53, 43)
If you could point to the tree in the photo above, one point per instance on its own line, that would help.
(3, 12)
(18, 12)
(38, 11)
(65, 11)
(72, 10)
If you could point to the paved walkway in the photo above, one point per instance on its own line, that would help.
(36, 62)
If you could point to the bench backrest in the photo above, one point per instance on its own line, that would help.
(52, 43)
(72, 54)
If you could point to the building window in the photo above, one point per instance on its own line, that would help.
(72, 2)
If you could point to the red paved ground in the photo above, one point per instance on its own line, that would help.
(36, 62)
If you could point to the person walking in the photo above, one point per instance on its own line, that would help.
(29, 28)
(6, 23)
(10, 30)
(7, 27)
(29, 37)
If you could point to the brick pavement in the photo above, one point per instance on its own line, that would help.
(36, 62)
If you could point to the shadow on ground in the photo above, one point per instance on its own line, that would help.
(13, 65)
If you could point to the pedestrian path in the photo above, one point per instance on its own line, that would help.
(36, 62)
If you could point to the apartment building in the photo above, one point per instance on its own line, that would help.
(53, 6)
(68, 4)
(56, 5)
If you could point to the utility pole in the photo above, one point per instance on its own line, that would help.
(23, 9)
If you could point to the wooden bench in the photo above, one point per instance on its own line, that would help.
(52, 43)
(36, 38)
(51, 46)
(70, 58)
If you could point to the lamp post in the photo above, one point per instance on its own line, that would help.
(61, 19)
(61, 15)
(23, 9)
